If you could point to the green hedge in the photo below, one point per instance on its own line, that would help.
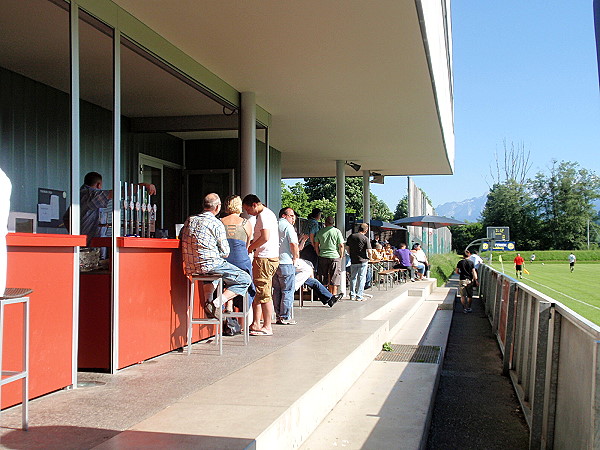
(442, 266)
(547, 255)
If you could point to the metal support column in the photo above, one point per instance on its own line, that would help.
(248, 143)
(340, 189)
(366, 197)
(116, 221)
(74, 218)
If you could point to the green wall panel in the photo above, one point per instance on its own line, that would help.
(35, 140)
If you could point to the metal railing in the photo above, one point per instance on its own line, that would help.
(551, 354)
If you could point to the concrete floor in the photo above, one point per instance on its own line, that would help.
(85, 417)
(168, 402)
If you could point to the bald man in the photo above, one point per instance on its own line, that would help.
(204, 246)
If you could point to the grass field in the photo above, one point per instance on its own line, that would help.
(579, 290)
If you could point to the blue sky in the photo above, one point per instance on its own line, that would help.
(524, 72)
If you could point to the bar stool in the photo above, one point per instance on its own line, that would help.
(13, 296)
(217, 321)
(301, 296)
(244, 314)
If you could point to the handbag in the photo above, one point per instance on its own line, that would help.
(231, 327)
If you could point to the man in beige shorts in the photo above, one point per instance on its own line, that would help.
(265, 245)
(467, 279)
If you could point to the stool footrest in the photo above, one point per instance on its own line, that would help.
(206, 321)
(13, 376)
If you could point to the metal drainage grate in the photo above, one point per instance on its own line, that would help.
(412, 353)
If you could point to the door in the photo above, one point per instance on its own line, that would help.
(168, 179)
(202, 182)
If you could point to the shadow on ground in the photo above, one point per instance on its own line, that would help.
(475, 406)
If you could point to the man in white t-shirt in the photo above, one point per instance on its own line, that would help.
(476, 259)
(5, 190)
(572, 260)
(265, 245)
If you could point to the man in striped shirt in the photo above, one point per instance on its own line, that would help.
(91, 199)
(205, 247)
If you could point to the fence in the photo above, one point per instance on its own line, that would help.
(552, 355)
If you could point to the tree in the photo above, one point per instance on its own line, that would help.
(401, 208)
(564, 200)
(513, 164)
(295, 197)
(379, 209)
(324, 189)
(509, 205)
(463, 235)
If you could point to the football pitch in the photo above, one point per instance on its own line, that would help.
(579, 290)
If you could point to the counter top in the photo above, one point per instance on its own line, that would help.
(136, 242)
(44, 240)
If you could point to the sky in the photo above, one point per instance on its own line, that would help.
(525, 72)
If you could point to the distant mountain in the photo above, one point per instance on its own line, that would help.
(470, 210)
(466, 210)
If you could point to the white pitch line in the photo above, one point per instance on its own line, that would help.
(561, 293)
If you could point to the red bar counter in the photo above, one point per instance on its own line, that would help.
(152, 312)
(44, 263)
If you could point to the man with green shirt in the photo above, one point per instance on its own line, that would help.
(330, 248)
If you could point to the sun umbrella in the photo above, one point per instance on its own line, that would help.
(428, 221)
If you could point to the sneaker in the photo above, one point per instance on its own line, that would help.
(334, 299)
(287, 322)
(469, 310)
(465, 311)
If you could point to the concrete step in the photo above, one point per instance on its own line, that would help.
(391, 403)
(279, 400)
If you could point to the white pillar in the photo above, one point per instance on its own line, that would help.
(340, 189)
(248, 143)
(366, 197)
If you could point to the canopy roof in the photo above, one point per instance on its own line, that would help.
(369, 82)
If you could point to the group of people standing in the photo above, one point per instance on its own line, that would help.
(259, 256)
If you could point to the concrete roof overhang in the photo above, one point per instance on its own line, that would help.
(342, 80)
(369, 82)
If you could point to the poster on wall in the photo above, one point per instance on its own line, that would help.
(51, 206)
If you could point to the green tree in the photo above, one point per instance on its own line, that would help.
(324, 189)
(401, 208)
(379, 209)
(463, 235)
(509, 205)
(564, 199)
(295, 197)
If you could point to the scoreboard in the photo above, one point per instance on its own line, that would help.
(498, 233)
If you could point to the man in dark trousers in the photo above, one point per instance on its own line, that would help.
(358, 247)
(467, 279)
